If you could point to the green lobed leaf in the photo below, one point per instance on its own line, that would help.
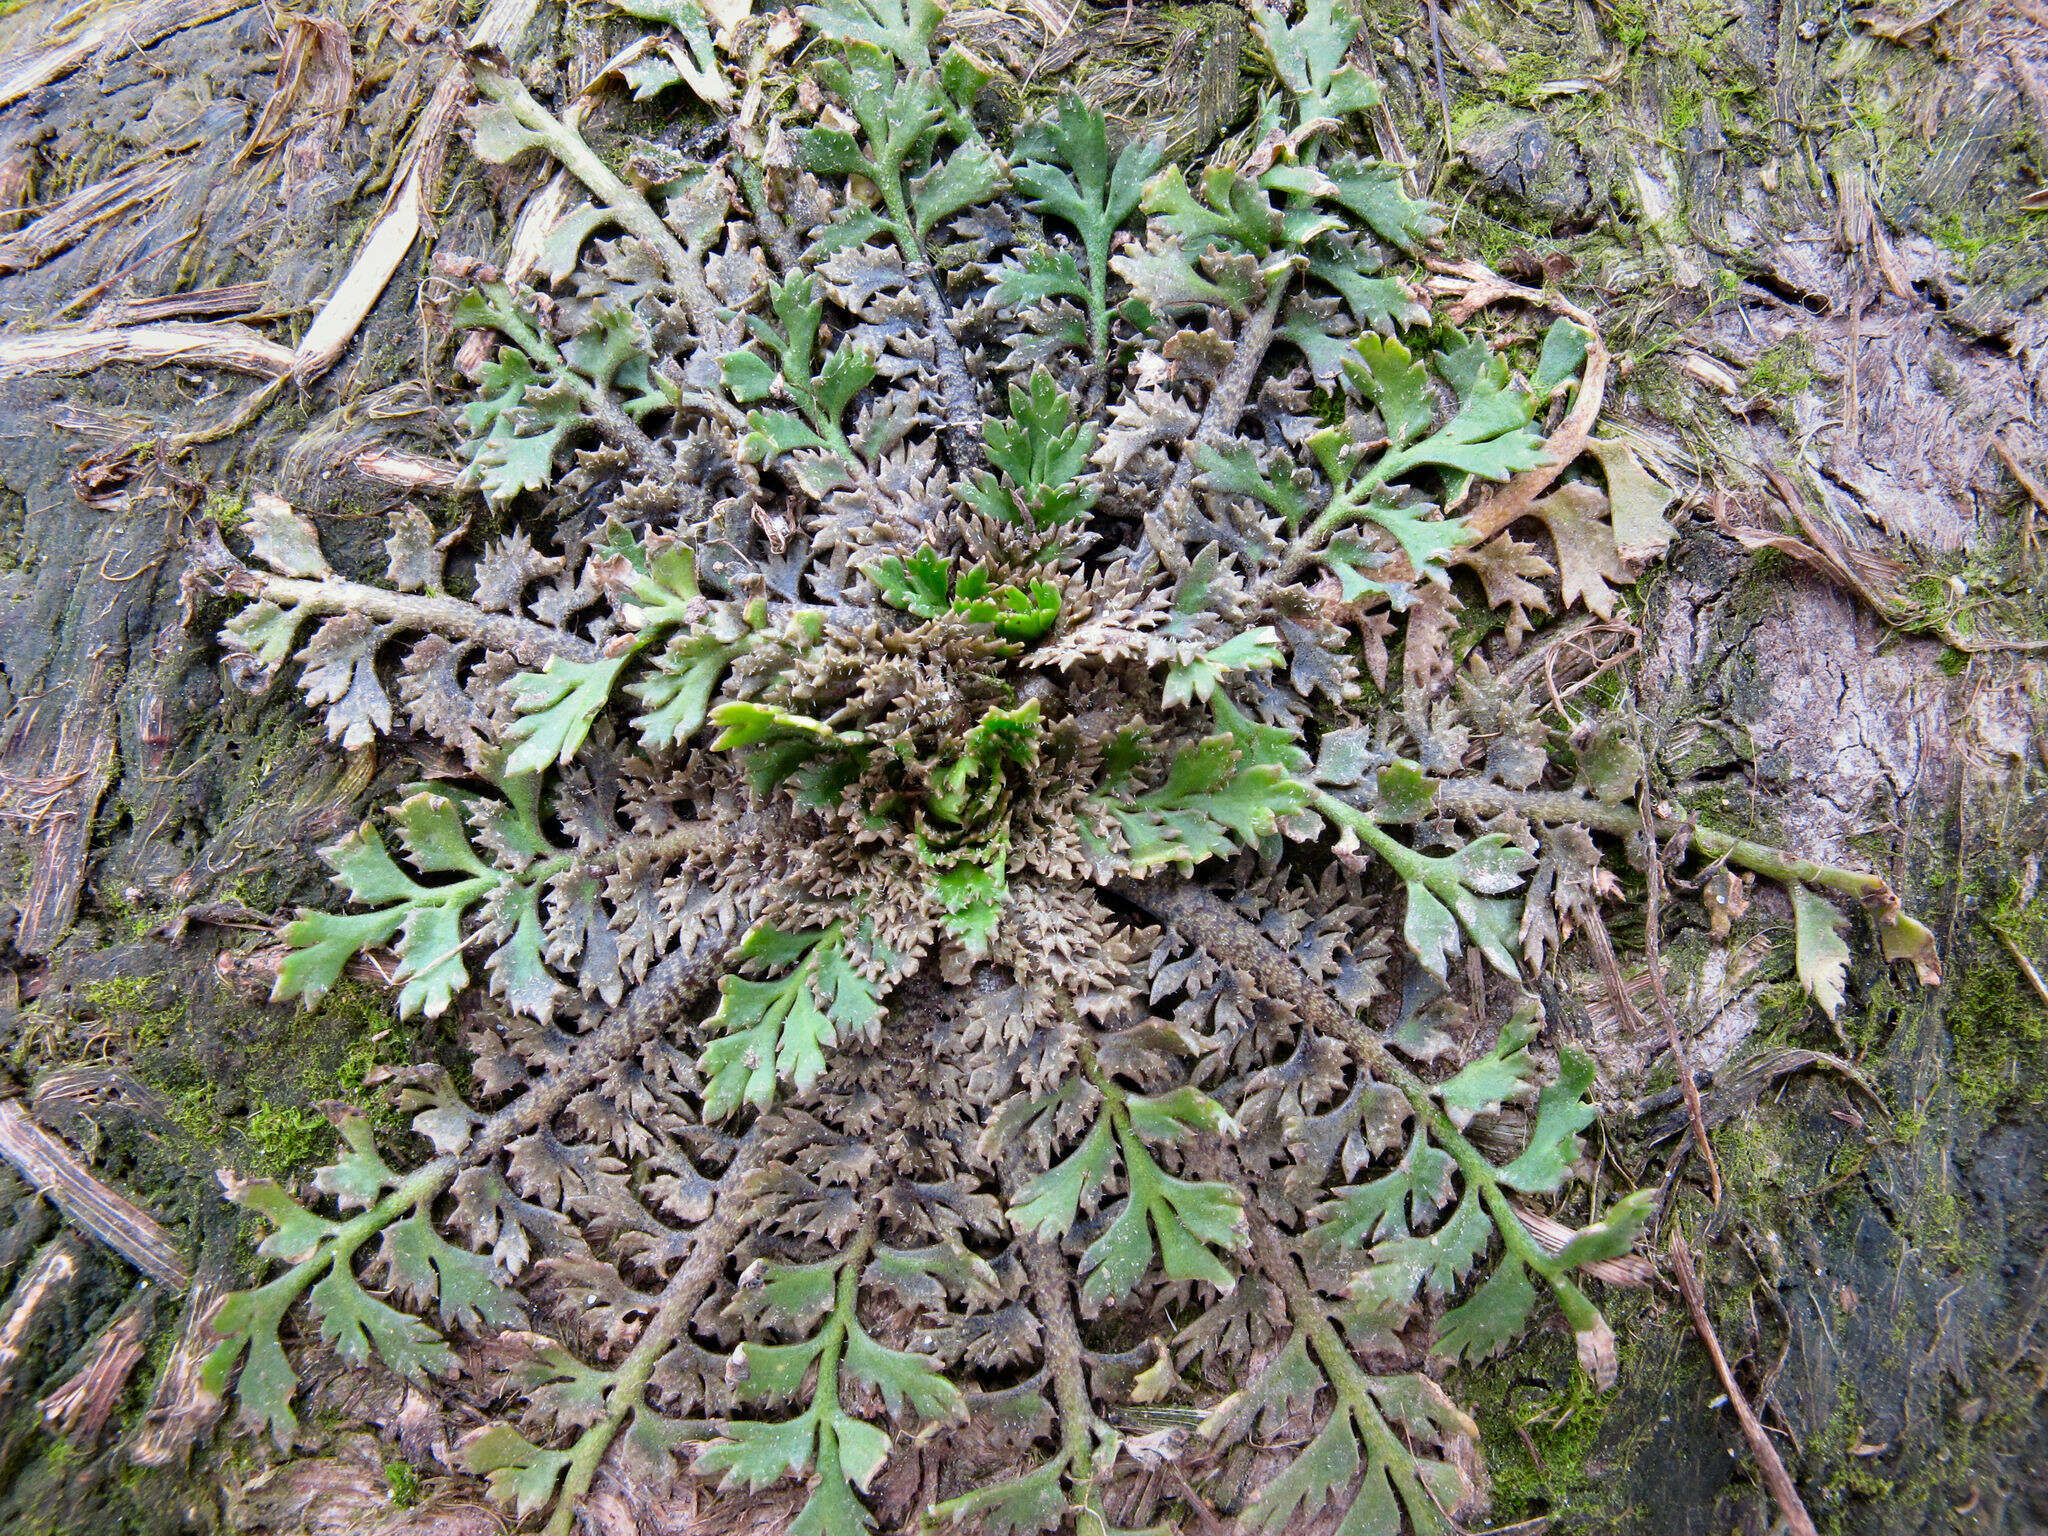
(1025, 1505)
(322, 943)
(972, 896)
(678, 687)
(1396, 1203)
(1043, 451)
(1561, 1113)
(1185, 1217)
(520, 1473)
(782, 1029)
(902, 1377)
(557, 707)
(364, 869)
(919, 585)
(1315, 1478)
(296, 1231)
(1039, 274)
(1491, 1318)
(247, 1322)
(1047, 1206)
(1236, 470)
(753, 1454)
(902, 28)
(436, 839)
(266, 631)
(423, 1267)
(1287, 1383)
(1437, 1262)
(1819, 954)
(1394, 379)
(359, 1326)
(1382, 304)
(971, 174)
(361, 1174)
(430, 968)
(1248, 650)
(1371, 189)
(1488, 1081)
(1563, 355)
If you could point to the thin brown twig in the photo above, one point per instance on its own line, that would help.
(1852, 395)
(2027, 969)
(1653, 865)
(1776, 1478)
(2037, 494)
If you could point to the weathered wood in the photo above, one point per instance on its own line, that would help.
(57, 1171)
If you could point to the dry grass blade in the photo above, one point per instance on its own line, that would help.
(55, 1271)
(1653, 868)
(235, 299)
(1739, 1087)
(114, 29)
(408, 471)
(1632, 1270)
(1776, 1478)
(313, 66)
(79, 1408)
(2037, 494)
(404, 213)
(233, 347)
(1871, 578)
(55, 1170)
(180, 1411)
(72, 218)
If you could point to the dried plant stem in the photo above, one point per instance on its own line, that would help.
(684, 266)
(1653, 866)
(1828, 556)
(959, 398)
(113, 30)
(532, 644)
(56, 1172)
(746, 165)
(673, 981)
(397, 226)
(2037, 494)
(1562, 806)
(627, 206)
(1219, 420)
(712, 1242)
(2019, 957)
(1776, 1478)
(962, 403)
(1346, 1378)
(1049, 1274)
(219, 344)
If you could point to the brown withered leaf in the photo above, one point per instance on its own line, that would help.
(1426, 660)
(508, 568)
(340, 671)
(1508, 570)
(1587, 558)
(1636, 501)
(414, 562)
(284, 540)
